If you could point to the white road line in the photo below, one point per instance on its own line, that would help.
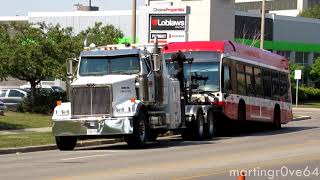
(83, 157)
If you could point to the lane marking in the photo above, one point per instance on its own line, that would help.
(83, 157)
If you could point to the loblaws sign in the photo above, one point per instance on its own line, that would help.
(168, 22)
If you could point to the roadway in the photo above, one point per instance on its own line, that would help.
(295, 147)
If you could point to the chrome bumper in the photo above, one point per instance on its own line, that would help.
(98, 126)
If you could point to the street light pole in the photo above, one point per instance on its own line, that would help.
(134, 21)
(263, 14)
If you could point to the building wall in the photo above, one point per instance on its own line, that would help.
(289, 29)
(81, 20)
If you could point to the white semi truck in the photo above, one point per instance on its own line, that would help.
(132, 92)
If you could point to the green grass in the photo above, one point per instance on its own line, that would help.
(26, 139)
(16, 120)
(308, 105)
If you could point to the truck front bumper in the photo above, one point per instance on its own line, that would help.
(92, 126)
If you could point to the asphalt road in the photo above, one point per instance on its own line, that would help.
(294, 148)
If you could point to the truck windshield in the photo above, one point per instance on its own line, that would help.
(98, 66)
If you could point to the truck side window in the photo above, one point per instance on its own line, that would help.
(146, 66)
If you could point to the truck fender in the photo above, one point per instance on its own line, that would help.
(140, 107)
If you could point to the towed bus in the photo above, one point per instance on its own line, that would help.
(244, 83)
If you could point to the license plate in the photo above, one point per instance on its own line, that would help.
(92, 131)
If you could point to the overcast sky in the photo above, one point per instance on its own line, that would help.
(22, 7)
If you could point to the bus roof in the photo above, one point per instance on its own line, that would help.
(230, 48)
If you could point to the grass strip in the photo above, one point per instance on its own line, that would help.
(16, 120)
(26, 139)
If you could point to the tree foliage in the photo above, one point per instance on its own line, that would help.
(314, 72)
(313, 12)
(101, 35)
(33, 53)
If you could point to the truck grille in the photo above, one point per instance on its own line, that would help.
(91, 100)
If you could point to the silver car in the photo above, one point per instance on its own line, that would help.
(12, 97)
(3, 108)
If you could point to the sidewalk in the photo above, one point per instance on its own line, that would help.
(18, 131)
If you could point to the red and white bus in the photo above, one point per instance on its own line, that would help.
(248, 84)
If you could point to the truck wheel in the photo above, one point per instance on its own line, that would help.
(140, 129)
(66, 143)
(211, 126)
(198, 126)
(152, 137)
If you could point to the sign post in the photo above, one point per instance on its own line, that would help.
(297, 76)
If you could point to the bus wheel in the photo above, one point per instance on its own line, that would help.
(140, 129)
(66, 143)
(198, 126)
(276, 119)
(241, 111)
(211, 126)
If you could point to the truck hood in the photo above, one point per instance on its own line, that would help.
(108, 79)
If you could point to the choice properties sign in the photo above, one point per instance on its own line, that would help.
(169, 24)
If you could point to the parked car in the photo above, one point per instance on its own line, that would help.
(3, 108)
(12, 97)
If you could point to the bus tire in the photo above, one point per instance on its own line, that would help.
(211, 125)
(66, 143)
(276, 124)
(242, 111)
(198, 131)
(140, 131)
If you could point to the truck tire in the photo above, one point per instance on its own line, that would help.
(198, 126)
(211, 125)
(152, 137)
(140, 131)
(66, 143)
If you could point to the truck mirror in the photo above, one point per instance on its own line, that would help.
(69, 66)
(156, 62)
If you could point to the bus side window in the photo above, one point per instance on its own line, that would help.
(266, 76)
(258, 82)
(241, 80)
(275, 83)
(227, 87)
(249, 81)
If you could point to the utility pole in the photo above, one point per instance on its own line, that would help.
(263, 14)
(134, 21)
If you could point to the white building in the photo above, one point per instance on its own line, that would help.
(279, 7)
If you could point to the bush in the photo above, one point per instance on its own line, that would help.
(306, 93)
(44, 102)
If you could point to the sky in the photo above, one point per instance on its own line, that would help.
(22, 7)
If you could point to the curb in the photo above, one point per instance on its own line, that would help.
(54, 147)
(300, 118)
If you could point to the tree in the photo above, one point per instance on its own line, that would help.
(35, 52)
(101, 35)
(315, 72)
(313, 12)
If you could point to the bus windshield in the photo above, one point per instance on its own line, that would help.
(205, 76)
(98, 66)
